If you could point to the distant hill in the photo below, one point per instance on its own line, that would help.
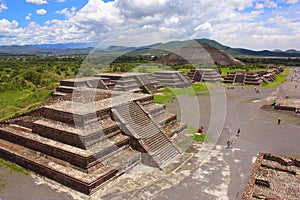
(153, 49)
(199, 53)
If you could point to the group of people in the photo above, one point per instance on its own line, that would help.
(231, 142)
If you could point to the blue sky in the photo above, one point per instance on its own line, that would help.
(19, 9)
(253, 24)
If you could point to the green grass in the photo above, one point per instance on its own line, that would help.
(280, 78)
(186, 141)
(169, 94)
(185, 71)
(226, 70)
(16, 102)
(200, 138)
(13, 167)
(150, 68)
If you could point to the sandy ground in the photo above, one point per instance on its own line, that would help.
(215, 172)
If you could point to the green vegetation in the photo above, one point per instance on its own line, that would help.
(186, 141)
(280, 78)
(150, 68)
(169, 94)
(27, 82)
(13, 167)
(200, 137)
(246, 68)
(287, 61)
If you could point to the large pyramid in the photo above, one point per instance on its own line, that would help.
(199, 53)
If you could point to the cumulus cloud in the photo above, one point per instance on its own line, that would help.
(38, 2)
(136, 22)
(68, 13)
(259, 6)
(270, 4)
(41, 11)
(28, 16)
(3, 7)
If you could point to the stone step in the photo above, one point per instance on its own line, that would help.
(72, 135)
(76, 156)
(59, 94)
(151, 138)
(156, 141)
(73, 178)
(65, 89)
(165, 119)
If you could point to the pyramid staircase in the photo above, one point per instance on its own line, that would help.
(247, 78)
(132, 82)
(134, 120)
(173, 79)
(204, 75)
(147, 84)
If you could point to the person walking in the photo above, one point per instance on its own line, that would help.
(279, 121)
(238, 132)
(228, 144)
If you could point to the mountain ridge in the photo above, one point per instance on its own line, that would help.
(86, 48)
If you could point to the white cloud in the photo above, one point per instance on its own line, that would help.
(204, 26)
(292, 1)
(259, 6)
(60, 1)
(66, 12)
(41, 12)
(28, 16)
(38, 2)
(270, 4)
(136, 22)
(3, 7)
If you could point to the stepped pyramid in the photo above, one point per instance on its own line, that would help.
(248, 78)
(132, 82)
(204, 75)
(91, 137)
(199, 53)
(126, 82)
(173, 79)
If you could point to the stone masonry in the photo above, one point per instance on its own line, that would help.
(83, 143)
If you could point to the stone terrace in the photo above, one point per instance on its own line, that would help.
(288, 104)
(173, 79)
(132, 82)
(204, 75)
(85, 142)
(274, 177)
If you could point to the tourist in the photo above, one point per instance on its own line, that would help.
(200, 130)
(228, 144)
(279, 121)
(231, 143)
(238, 132)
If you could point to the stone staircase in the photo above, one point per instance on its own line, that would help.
(247, 78)
(147, 85)
(173, 79)
(204, 75)
(132, 82)
(134, 120)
